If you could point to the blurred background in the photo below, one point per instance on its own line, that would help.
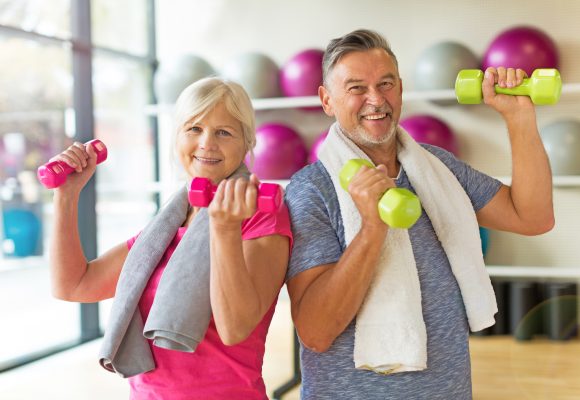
(74, 70)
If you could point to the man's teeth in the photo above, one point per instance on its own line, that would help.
(375, 116)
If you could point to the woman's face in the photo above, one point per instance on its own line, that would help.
(212, 147)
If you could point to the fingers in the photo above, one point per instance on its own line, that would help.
(370, 183)
(75, 156)
(235, 199)
(504, 77)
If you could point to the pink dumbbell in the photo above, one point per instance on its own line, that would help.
(53, 174)
(201, 192)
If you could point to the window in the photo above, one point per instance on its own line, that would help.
(40, 72)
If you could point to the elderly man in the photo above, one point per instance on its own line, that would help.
(385, 313)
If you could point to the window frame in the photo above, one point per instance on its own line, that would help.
(82, 49)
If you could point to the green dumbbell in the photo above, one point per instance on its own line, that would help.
(398, 207)
(543, 87)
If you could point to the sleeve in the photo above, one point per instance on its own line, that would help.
(480, 188)
(131, 241)
(264, 224)
(315, 240)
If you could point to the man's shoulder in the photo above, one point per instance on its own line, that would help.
(311, 177)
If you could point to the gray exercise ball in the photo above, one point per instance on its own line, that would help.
(562, 142)
(438, 65)
(175, 74)
(256, 72)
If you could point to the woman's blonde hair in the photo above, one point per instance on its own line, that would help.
(199, 98)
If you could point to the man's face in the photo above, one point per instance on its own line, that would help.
(364, 94)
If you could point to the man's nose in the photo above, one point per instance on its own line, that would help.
(375, 97)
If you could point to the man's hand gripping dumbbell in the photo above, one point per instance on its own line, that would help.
(398, 207)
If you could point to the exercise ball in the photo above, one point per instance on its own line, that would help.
(22, 230)
(302, 74)
(315, 148)
(280, 152)
(431, 130)
(562, 142)
(174, 75)
(438, 65)
(522, 47)
(484, 235)
(256, 72)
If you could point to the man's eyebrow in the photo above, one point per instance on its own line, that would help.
(389, 75)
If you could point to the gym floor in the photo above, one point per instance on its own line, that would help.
(502, 369)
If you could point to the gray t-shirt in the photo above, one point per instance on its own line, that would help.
(319, 239)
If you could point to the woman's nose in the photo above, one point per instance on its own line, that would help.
(207, 141)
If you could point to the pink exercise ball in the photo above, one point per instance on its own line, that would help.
(302, 74)
(431, 130)
(522, 47)
(279, 153)
(313, 157)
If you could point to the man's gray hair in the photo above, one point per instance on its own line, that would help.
(359, 40)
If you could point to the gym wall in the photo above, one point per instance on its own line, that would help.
(219, 29)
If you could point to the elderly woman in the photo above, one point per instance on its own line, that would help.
(195, 291)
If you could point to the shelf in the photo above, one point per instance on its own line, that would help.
(314, 101)
(509, 271)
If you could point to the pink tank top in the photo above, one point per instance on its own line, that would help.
(214, 370)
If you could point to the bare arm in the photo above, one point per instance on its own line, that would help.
(246, 276)
(73, 278)
(526, 207)
(325, 299)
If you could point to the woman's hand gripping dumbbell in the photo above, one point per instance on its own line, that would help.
(398, 207)
(54, 173)
(202, 192)
(543, 87)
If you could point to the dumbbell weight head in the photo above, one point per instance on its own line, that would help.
(398, 207)
(201, 192)
(543, 87)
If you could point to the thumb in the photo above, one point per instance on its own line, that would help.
(383, 168)
(92, 160)
(488, 85)
(254, 180)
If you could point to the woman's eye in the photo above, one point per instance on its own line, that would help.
(221, 132)
(195, 129)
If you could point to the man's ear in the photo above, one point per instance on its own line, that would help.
(325, 100)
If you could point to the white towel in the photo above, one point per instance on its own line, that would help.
(390, 333)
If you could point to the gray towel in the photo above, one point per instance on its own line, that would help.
(181, 310)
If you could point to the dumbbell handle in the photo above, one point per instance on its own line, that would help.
(54, 173)
(202, 191)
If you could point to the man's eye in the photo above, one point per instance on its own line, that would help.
(356, 89)
(387, 85)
